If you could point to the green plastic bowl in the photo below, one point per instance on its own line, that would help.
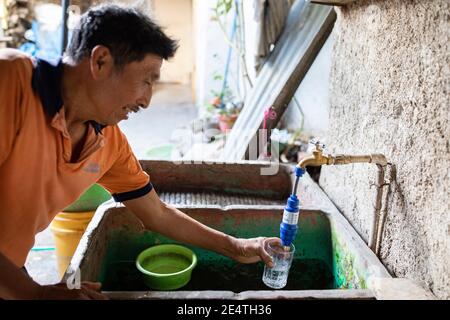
(166, 266)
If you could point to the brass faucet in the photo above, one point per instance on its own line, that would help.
(318, 159)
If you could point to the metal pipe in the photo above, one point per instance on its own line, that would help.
(376, 158)
(377, 208)
(383, 215)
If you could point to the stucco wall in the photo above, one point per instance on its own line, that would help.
(389, 94)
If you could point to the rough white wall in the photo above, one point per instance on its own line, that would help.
(389, 94)
(313, 96)
(211, 54)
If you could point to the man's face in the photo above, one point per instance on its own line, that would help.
(126, 90)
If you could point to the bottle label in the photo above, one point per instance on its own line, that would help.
(290, 217)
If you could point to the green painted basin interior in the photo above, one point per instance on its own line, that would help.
(316, 264)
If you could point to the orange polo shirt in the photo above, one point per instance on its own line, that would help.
(37, 179)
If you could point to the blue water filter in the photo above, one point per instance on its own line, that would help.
(288, 226)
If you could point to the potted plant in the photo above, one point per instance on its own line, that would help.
(226, 121)
(226, 113)
(224, 109)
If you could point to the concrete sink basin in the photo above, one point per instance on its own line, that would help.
(331, 261)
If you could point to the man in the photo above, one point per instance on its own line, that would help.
(59, 135)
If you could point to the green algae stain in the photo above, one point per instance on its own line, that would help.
(344, 269)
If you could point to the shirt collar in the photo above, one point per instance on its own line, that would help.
(46, 82)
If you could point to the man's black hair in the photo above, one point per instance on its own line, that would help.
(128, 33)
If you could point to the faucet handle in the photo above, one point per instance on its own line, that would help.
(319, 145)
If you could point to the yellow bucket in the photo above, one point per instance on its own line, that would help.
(67, 229)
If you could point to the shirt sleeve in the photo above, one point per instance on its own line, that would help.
(13, 71)
(125, 179)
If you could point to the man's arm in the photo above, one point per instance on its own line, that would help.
(172, 223)
(16, 284)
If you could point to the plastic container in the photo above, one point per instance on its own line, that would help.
(166, 266)
(90, 199)
(67, 229)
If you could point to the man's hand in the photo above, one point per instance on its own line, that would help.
(88, 291)
(17, 285)
(253, 250)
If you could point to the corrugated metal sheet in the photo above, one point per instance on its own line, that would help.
(307, 28)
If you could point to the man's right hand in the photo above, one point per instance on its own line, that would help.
(88, 291)
(17, 285)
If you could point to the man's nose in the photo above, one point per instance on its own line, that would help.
(144, 102)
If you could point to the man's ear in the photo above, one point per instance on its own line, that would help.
(101, 62)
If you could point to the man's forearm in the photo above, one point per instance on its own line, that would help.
(14, 283)
(171, 222)
(193, 232)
